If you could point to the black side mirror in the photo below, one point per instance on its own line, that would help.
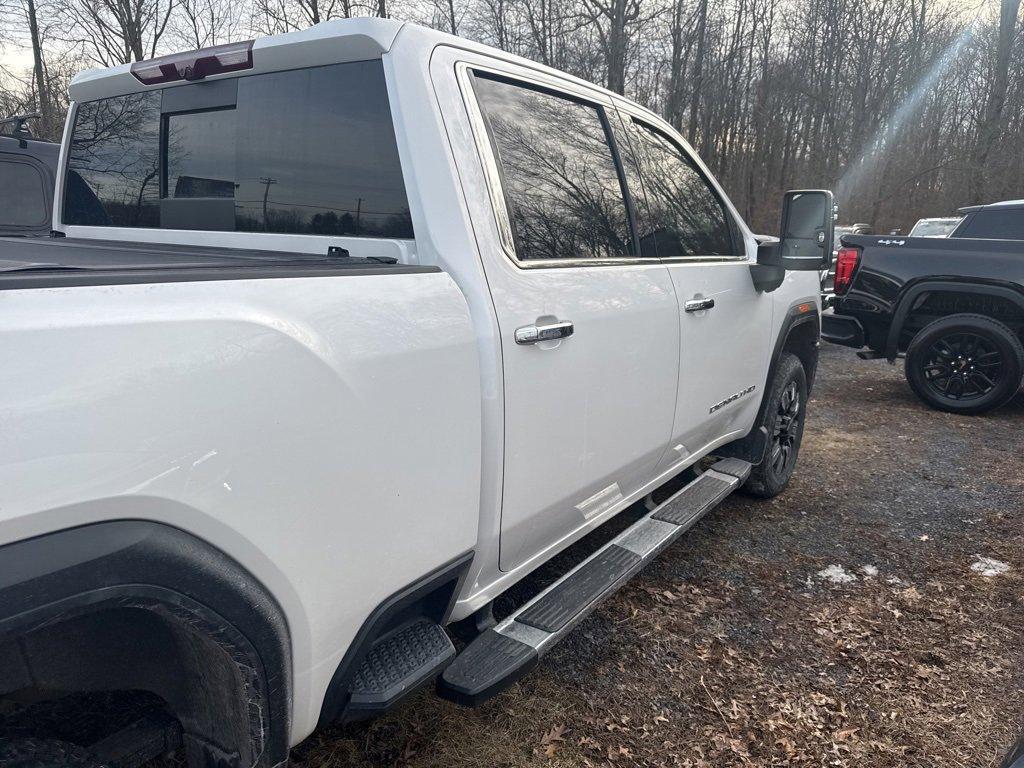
(808, 229)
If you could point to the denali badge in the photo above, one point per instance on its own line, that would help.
(732, 398)
(892, 242)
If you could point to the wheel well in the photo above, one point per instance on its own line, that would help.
(932, 305)
(136, 648)
(802, 341)
(137, 606)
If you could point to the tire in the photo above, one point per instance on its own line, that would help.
(965, 364)
(783, 417)
(44, 753)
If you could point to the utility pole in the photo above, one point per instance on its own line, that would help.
(266, 181)
(359, 210)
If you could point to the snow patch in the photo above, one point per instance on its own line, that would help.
(836, 574)
(988, 566)
(869, 571)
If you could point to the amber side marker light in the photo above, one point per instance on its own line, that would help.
(194, 65)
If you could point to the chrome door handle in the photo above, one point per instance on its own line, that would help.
(531, 334)
(698, 305)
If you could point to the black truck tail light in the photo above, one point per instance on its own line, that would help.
(846, 263)
(194, 65)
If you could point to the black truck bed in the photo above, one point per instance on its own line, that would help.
(61, 261)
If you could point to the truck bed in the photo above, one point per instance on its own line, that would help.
(61, 261)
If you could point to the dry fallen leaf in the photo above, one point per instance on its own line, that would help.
(554, 734)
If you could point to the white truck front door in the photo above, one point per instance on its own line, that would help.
(725, 324)
(589, 330)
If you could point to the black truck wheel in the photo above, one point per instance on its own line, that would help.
(965, 364)
(44, 753)
(784, 419)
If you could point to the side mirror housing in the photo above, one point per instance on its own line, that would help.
(767, 274)
(808, 229)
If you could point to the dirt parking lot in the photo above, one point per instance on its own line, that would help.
(852, 621)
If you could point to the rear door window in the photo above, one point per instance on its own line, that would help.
(684, 215)
(307, 151)
(23, 198)
(995, 225)
(561, 182)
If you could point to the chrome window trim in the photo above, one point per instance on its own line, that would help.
(629, 110)
(496, 192)
(488, 158)
(486, 153)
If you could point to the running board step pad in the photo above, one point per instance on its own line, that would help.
(500, 656)
(399, 664)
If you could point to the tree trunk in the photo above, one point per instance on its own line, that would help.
(989, 129)
(42, 94)
(698, 69)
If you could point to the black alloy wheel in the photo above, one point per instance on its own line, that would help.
(965, 364)
(786, 430)
(782, 420)
(962, 366)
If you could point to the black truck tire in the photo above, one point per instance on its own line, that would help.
(44, 753)
(784, 419)
(965, 364)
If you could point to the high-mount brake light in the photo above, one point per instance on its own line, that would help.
(194, 65)
(846, 263)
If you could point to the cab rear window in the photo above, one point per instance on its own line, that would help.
(1006, 224)
(308, 151)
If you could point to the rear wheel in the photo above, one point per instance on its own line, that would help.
(965, 364)
(784, 420)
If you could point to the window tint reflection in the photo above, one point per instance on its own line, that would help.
(317, 154)
(22, 196)
(684, 216)
(995, 225)
(561, 185)
(201, 154)
(308, 151)
(113, 164)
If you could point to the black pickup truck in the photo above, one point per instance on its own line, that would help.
(27, 170)
(953, 306)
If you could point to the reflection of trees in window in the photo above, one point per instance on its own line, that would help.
(115, 152)
(561, 184)
(300, 220)
(308, 151)
(685, 217)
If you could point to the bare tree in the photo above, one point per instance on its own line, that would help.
(202, 23)
(112, 32)
(995, 105)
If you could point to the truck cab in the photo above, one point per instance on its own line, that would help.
(28, 167)
(347, 332)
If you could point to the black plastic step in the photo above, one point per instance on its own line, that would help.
(489, 665)
(399, 664)
(580, 588)
(695, 499)
(735, 467)
(500, 656)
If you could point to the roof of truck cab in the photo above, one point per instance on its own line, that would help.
(1005, 205)
(330, 42)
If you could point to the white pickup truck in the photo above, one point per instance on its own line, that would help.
(340, 334)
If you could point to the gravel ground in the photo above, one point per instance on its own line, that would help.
(852, 621)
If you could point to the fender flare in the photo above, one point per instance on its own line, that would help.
(158, 568)
(905, 303)
(751, 446)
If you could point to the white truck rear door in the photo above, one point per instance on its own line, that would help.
(588, 415)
